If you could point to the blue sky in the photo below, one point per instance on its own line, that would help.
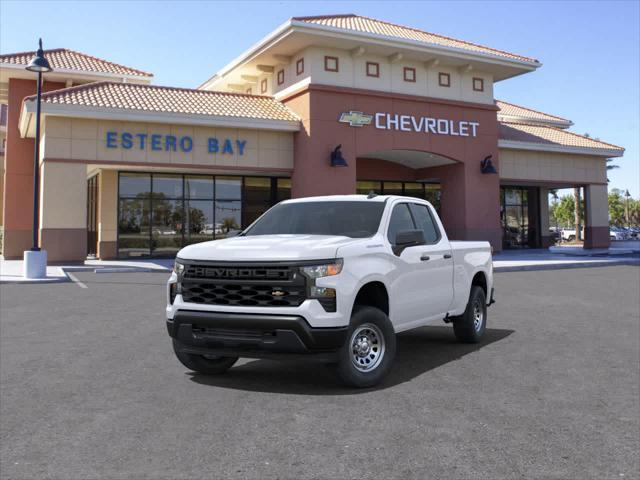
(589, 50)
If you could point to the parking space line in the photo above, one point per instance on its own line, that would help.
(75, 280)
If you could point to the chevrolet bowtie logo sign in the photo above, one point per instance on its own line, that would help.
(355, 119)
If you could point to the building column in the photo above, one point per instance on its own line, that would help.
(596, 216)
(107, 214)
(63, 211)
(312, 171)
(470, 202)
(546, 239)
(18, 173)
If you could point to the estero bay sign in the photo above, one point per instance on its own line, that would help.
(411, 123)
(171, 143)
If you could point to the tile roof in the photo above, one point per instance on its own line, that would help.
(370, 25)
(544, 135)
(65, 59)
(512, 110)
(152, 98)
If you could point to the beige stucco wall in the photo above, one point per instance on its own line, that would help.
(352, 73)
(552, 167)
(63, 195)
(81, 139)
(108, 206)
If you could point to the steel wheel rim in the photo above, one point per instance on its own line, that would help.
(478, 316)
(367, 347)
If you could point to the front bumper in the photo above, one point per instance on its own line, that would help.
(251, 335)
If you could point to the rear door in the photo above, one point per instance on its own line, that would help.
(436, 263)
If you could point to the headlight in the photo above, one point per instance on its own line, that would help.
(324, 270)
(178, 268)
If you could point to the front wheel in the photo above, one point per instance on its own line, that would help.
(368, 353)
(470, 326)
(209, 365)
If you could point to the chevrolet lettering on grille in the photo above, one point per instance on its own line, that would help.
(239, 273)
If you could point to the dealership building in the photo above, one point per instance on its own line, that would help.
(323, 105)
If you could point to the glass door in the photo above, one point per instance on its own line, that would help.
(92, 216)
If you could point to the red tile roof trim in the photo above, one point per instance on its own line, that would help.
(153, 98)
(313, 19)
(64, 58)
(555, 117)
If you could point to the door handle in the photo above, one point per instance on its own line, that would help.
(447, 255)
(424, 258)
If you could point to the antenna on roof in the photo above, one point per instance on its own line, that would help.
(372, 194)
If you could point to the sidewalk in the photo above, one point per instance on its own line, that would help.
(545, 259)
(11, 270)
(506, 261)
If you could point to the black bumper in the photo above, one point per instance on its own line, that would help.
(251, 335)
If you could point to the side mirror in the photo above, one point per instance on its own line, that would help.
(407, 238)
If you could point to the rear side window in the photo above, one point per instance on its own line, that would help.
(425, 222)
(400, 220)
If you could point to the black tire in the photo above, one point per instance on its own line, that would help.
(369, 327)
(200, 364)
(571, 238)
(465, 327)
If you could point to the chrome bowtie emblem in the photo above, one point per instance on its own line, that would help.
(355, 119)
(277, 293)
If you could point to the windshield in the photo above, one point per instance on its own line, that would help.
(349, 219)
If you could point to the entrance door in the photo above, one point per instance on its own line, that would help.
(519, 216)
(92, 216)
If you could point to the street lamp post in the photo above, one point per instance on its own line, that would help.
(626, 208)
(35, 260)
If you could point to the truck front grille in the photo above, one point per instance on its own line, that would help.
(246, 285)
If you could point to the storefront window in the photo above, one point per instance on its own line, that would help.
(392, 188)
(426, 191)
(364, 188)
(133, 227)
(519, 219)
(256, 198)
(160, 213)
(283, 191)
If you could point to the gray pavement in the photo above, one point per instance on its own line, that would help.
(90, 389)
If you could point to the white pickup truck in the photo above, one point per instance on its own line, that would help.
(332, 278)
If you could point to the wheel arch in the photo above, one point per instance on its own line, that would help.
(480, 279)
(373, 293)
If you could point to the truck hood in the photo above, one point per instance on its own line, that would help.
(266, 248)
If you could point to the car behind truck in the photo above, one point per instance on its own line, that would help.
(332, 278)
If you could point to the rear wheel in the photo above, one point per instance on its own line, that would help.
(368, 353)
(470, 326)
(207, 364)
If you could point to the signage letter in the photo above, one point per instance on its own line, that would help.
(111, 140)
(452, 128)
(186, 144)
(393, 122)
(227, 148)
(431, 125)
(155, 142)
(213, 145)
(417, 126)
(474, 126)
(378, 122)
(142, 137)
(404, 123)
(443, 127)
(126, 140)
(240, 144)
(170, 143)
(464, 129)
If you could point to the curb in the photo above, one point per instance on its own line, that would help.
(566, 266)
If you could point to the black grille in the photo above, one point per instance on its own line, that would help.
(260, 286)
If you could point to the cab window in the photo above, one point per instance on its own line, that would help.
(400, 220)
(426, 223)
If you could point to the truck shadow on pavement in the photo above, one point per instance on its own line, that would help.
(419, 351)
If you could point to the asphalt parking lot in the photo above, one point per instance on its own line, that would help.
(90, 389)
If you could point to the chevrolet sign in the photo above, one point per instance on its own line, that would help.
(355, 119)
(410, 123)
